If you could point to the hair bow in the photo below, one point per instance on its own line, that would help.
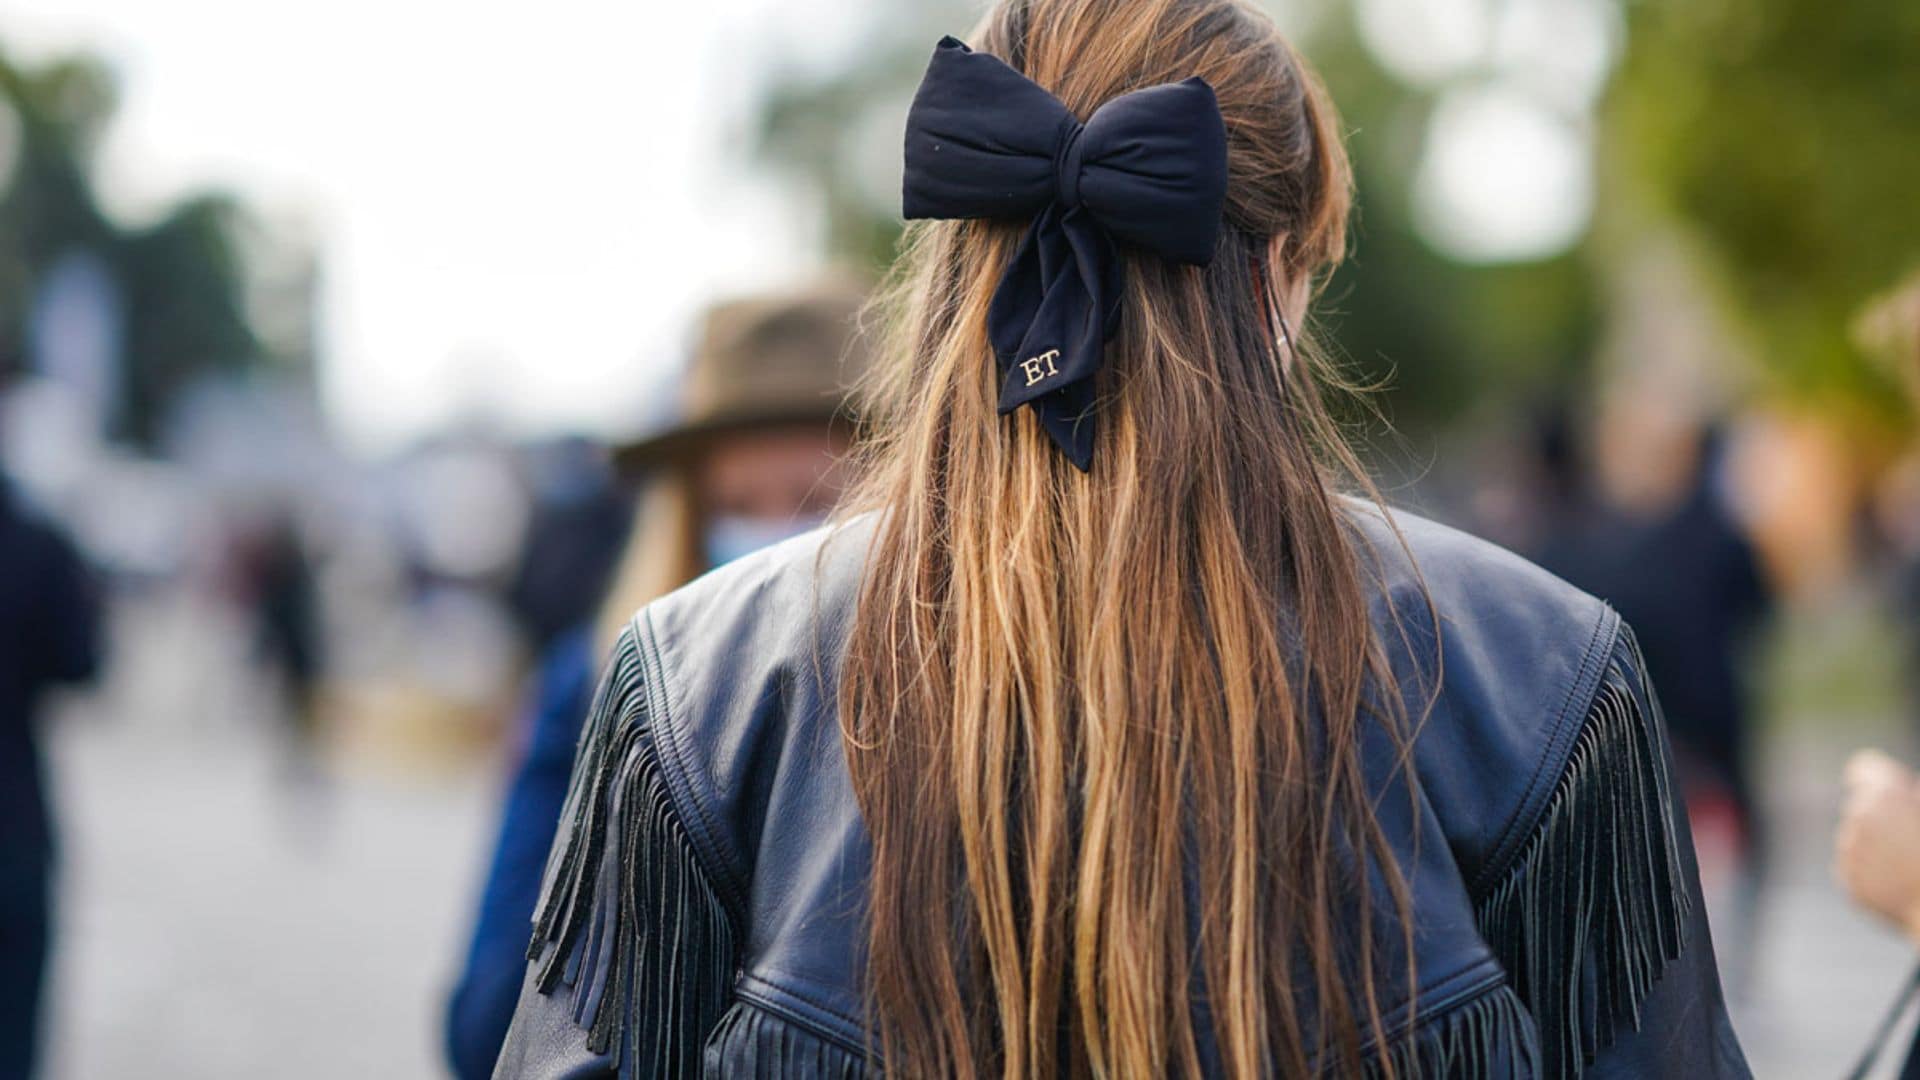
(1148, 168)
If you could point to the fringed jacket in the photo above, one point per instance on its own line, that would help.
(702, 909)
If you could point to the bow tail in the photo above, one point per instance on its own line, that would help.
(1049, 321)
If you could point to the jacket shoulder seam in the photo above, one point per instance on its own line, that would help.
(684, 785)
(1563, 729)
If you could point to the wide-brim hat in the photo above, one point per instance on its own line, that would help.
(774, 360)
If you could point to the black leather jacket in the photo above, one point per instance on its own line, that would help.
(702, 908)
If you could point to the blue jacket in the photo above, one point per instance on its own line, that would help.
(702, 909)
(482, 1002)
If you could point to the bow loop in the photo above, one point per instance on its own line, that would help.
(1154, 169)
(963, 165)
(1148, 168)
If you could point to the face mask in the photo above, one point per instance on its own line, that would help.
(729, 537)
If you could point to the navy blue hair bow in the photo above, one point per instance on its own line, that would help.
(1148, 168)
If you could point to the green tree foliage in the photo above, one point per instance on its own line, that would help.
(185, 307)
(1443, 338)
(182, 280)
(48, 208)
(1784, 135)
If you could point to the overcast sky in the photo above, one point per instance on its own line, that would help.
(517, 207)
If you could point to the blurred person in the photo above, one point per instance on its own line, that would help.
(1877, 843)
(1890, 328)
(284, 599)
(1657, 540)
(1894, 517)
(581, 514)
(752, 458)
(49, 635)
(1877, 860)
(1084, 743)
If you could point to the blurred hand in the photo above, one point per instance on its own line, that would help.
(1877, 847)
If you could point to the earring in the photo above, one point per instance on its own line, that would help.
(1280, 320)
(1277, 318)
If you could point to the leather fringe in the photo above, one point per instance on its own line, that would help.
(627, 919)
(631, 925)
(1488, 1037)
(753, 1044)
(1594, 907)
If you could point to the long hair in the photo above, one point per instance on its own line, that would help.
(1104, 728)
(662, 551)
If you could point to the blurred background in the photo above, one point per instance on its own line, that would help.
(317, 324)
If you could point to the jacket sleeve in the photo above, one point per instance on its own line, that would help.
(632, 959)
(482, 1003)
(1599, 919)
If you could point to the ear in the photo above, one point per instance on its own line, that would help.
(1290, 289)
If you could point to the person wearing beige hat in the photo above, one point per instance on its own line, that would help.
(750, 456)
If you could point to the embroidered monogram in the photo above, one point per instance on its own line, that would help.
(1041, 366)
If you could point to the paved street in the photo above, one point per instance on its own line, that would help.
(218, 926)
(214, 930)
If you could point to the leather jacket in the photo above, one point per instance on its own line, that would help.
(702, 910)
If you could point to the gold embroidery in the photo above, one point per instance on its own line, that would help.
(1041, 366)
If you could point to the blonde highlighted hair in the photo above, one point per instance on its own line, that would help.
(1067, 698)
